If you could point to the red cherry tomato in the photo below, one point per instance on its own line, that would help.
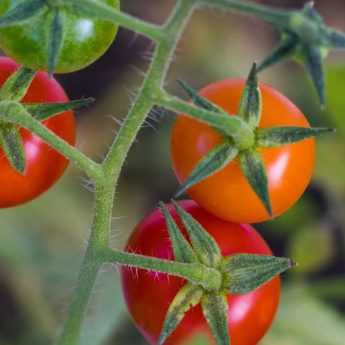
(44, 165)
(149, 294)
(227, 194)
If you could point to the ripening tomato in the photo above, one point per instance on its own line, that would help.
(44, 165)
(84, 40)
(149, 294)
(227, 194)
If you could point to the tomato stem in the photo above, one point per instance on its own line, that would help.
(102, 11)
(280, 18)
(198, 274)
(114, 161)
(93, 260)
(242, 135)
(16, 113)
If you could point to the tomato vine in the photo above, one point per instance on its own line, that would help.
(105, 175)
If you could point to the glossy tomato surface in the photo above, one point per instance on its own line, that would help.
(44, 165)
(148, 294)
(227, 194)
(85, 39)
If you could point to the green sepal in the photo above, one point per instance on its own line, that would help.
(313, 60)
(246, 272)
(278, 136)
(254, 170)
(336, 39)
(12, 145)
(214, 161)
(222, 122)
(17, 85)
(251, 103)
(198, 100)
(215, 310)
(183, 252)
(305, 34)
(22, 12)
(43, 111)
(311, 12)
(56, 35)
(189, 296)
(204, 245)
(285, 50)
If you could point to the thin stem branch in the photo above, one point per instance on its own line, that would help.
(195, 273)
(236, 128)
(92, 262)
(106, 12)
(271, 15)
(17, 114)
(149, 91)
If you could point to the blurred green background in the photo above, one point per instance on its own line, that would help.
(41, 243)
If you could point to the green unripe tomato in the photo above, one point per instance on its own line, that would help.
(85, 39)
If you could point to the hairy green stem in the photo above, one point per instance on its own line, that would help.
(112, 166)
(92, 262)
(106, 12)
(280, 18)
(209, 278)
(150, 90)
(16, 113)
(239, 131)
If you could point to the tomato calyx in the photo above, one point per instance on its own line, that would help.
(239, 274)
(306, 37)
(11, 108)
(247, 151)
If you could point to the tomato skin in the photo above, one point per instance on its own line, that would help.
(85, 39)
(227, 194)
(44, 165)
(148, 294)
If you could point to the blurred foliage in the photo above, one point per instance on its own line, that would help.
(41, 243)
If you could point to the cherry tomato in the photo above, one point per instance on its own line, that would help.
(44, 165)
(85, 39)
(149, 294)
(227, 194)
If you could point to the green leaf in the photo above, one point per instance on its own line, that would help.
(203, 244)
(43, 111)
(313, 60)
(55, 40)
(246, 272)
(285, 50)
(251, 103)
(188, 297)
(254, 170)
(214, 161)
(22, 12)
(215, 309)
(183, 251)
(336, 39)
(12, 145)
(16, 86)
(198, 100)
(278, 136)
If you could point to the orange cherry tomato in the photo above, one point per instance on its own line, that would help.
(227, 194)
